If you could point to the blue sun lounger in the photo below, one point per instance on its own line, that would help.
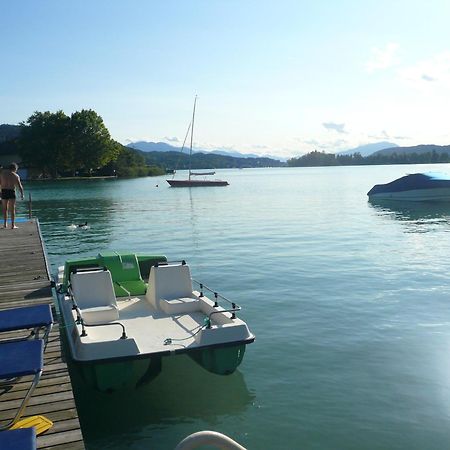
(35, 317)
(19, 359)
(21, 439)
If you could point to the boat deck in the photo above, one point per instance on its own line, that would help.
(24, 280)
(141, 317)
(147, 330)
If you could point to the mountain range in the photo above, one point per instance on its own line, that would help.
(175, 160)
(146, 146)
(369, 149)
(419, 149)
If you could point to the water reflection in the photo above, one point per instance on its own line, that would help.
(193, 220)
(182, 393)
(62, 241)
(422, 216)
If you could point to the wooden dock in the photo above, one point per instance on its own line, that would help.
(25, 280)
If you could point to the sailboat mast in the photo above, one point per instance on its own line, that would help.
(192, 136)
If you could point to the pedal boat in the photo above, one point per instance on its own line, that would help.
(119, 328)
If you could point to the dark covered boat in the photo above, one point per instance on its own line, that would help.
(431, 186)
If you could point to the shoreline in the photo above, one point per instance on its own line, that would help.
(72, 178)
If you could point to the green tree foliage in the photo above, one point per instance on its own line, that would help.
(8, 147)
(316, 158)
(130, 163)
(56, 144)
(92, 146)
(9, 132)
(179, 161)
(44, 142)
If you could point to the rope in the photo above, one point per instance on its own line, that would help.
(207, 324)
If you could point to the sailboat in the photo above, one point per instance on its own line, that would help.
(191, 181)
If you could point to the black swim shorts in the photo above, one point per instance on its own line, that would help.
(8, 194)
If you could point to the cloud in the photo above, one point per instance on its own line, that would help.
(432, 71)
(312, 142)
(171, 139)
(333, 145)
(382, 135)
(260, 147)
(383, 58)
(338, 127)
(427, 77)
(401, 137)
(330, 146)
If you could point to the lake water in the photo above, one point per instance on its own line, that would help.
(349, 302)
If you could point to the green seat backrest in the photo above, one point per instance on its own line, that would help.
(125, 273)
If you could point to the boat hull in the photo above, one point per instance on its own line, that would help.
(415, 187)
(197, 183)
(131, 374)
(415, 195)
(114, 376)
(221, 361)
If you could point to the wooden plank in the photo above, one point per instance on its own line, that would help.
(63, 425)
(21, 303)
(48, 440)
(25, 281)
(17, 394)
(67, 446)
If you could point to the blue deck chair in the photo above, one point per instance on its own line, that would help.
(19, 359)
(21, 439)
(30, 317)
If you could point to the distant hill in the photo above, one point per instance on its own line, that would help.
(145, 146)
(163, 147)
(369, 149)
(245, 155)
(180, 161)
(419, 149)
(9, 132)
(235, 154)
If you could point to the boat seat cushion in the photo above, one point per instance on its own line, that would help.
(169, 282)
(94, 294)
(126, 272)
(180, 305)
(20, 439)
(100, 314)
(35, 316)
(21, 358)
(137, 287)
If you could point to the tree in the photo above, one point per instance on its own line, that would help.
(55, 143)
(314, 158)
(44, 142)
(91, 142)
(130, 163)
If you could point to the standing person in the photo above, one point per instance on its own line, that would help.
(9, 181)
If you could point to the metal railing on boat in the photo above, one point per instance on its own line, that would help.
(234, 307)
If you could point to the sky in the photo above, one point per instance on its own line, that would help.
(276, 77)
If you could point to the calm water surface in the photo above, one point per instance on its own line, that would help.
(349, 301)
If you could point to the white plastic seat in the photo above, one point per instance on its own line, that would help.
(170, 289)
(93, 292)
